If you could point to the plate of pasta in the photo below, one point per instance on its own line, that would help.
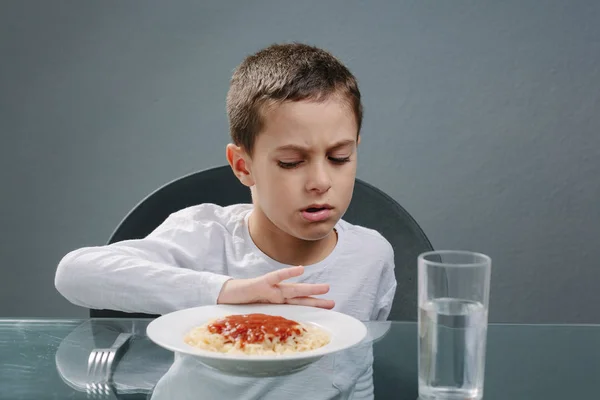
(256, 339)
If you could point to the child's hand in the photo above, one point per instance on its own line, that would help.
(270, 289)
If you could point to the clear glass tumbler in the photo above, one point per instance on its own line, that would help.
(454, 289)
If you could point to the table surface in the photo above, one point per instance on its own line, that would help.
(47, 359)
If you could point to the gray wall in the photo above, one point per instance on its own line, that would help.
(482, 119)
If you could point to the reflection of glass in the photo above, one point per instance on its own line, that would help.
(453, 313)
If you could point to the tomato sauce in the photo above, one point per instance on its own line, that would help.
(253, 328)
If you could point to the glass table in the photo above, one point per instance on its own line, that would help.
(47, 359)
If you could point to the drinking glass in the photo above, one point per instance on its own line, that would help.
(453, 291)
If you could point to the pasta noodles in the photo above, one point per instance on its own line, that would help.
(257, 334)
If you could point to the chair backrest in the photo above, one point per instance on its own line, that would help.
(370, 207)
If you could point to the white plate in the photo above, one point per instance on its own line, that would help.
(169, 330)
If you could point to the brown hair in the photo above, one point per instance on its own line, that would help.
(285, 72)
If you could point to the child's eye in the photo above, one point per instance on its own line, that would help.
(288, 165)
(337, 160)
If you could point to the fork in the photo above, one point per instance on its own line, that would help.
(100, 368)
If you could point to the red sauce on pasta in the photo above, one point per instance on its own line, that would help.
(253, 328)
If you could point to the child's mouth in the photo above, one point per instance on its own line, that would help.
(316, 214)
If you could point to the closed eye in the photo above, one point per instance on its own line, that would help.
(337, 160)
(288, 165)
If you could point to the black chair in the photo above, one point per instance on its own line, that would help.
(370, 207)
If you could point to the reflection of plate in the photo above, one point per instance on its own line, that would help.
(169, 331)
(376, 330)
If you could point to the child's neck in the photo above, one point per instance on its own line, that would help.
(285, 248)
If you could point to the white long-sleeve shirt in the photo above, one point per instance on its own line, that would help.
(185, 262)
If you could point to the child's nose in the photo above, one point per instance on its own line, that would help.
(319, 179)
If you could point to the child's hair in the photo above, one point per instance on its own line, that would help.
(285, 72)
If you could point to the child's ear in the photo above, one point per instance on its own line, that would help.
(240, 163)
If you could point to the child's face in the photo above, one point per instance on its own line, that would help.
(304, 165)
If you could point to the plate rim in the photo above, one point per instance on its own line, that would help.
(316, 353)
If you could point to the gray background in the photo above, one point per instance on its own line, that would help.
(482, 119)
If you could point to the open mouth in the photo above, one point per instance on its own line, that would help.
(317, 212)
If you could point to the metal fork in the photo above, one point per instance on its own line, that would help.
(100, 368)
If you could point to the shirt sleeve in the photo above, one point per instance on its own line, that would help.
(383, 308)
(152, 275)
(387, 288)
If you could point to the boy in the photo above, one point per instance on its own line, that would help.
(295, 115)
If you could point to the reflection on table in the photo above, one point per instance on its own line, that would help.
(48, 359)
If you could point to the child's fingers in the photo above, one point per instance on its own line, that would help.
(290, 290)
(275, 277)
(311, 302)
